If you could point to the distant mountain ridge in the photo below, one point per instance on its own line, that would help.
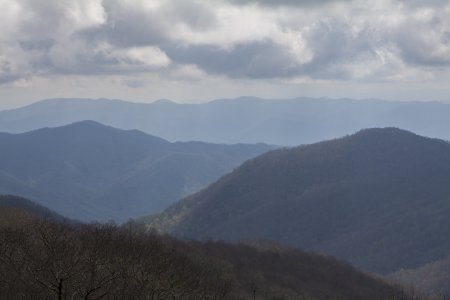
(379, 199)
(246, 119)
(90, 171)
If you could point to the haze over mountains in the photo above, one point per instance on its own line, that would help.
(311, 188)
(249, 120)
(89, 171)
(379, 199)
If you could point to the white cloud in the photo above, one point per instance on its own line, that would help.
(291, 41)
(150, 56)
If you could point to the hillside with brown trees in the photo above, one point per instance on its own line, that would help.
(40, 259)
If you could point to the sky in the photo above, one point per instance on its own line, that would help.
(198, 50)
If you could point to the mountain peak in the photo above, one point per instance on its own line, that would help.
(86, 123)
(367, 189)
(384, 131)
(90, 171)
(164, 102)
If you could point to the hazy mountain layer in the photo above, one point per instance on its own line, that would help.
(249, 120)
(379, 199)
(89, 171)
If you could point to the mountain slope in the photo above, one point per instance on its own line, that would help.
(379, 199)
(32, 208)
(89, 171)
(250, 120)
(432, 278)
(44, 260)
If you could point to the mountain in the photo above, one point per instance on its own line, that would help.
(45, 260)
(379, 199)
(88, 171)
(32, 208)
(249, 120)
(432, 278)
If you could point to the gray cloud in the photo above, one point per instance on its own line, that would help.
(263, 59)
(116, 37)
(301, 3)
(132, 25)
(423, 3)
(36, 44)
(313, 3)
(332, 47)
(423, 47)
(6, 76)
(127, 26)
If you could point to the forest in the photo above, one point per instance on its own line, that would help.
(44, 259)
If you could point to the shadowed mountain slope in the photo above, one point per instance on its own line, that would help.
(32, 208)
(379, 199)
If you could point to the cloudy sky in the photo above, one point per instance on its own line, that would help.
(197, 50)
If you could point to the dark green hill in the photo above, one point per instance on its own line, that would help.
(89, 171)
(44, 260)
(379, 199)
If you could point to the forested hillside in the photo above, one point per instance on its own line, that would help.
(44, 260)
(89, 171)
(432, 278)
(379, 199)
(32, 208)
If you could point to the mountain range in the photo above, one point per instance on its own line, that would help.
(88, 171)
(379, 199)
(289, 122)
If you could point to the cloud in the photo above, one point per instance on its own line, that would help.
(424, 39)
(298, 3)
(338, 40)
(263, 59)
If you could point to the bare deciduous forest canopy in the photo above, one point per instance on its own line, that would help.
(44, 259)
